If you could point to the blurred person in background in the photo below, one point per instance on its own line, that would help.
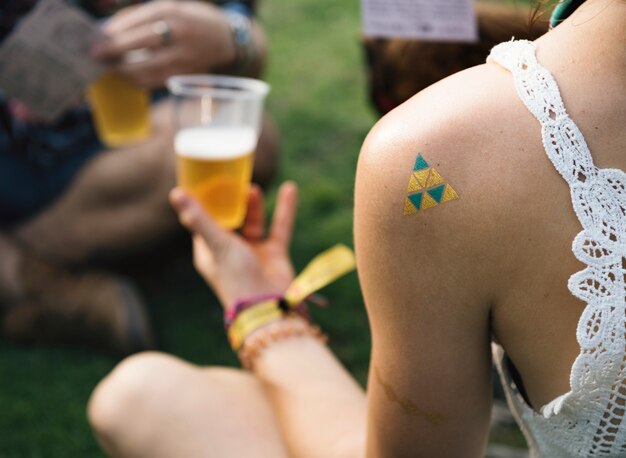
(398, 68)
(507, 163)
(66, 200)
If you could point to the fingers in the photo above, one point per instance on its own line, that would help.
(140, 15)
(194, 218)
(203, 259)
(285, 213)
(254, 226)
(116, 46)
(151, 72)
(133, 28)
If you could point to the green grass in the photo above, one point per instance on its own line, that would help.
(319, 101)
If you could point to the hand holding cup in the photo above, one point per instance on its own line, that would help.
(179, 37)
(245, 265)
(218, 119)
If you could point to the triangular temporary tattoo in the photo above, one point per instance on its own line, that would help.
(437, 192)
(414, 185)
(422, 177)
(428, 202)
(420, 163)
(416, 199)
(409, 208)
(449, 194)
(426, 188)
(434, 179)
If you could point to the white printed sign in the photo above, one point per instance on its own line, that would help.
(45, 62)
(435, 20)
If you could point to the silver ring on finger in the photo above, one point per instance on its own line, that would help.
(162, 29)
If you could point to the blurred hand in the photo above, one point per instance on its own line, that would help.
(22, 112)
(242, 266)
(200, 41)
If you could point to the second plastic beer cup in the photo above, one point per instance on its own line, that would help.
(120, 109)
(218, 120)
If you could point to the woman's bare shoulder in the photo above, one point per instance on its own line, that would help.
(428, 215)
(465, 115)
(442, 169)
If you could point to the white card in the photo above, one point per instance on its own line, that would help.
(435, 20)
(45, 62)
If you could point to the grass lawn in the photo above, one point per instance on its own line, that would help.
(319, 101)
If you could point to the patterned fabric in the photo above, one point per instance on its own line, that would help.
(588, 420)
(37, 161)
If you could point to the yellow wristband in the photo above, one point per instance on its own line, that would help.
(322, 270)
(251, 319)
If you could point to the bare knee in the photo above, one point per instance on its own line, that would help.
(124, 394)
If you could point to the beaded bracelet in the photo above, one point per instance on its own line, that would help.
(251, 315)
(274, 332)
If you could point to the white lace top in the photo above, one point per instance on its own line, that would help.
(589, 419)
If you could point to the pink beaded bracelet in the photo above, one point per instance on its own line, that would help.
(274, 332)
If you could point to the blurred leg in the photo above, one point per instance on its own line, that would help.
(116, 204)
(117, 201)
(154, 405)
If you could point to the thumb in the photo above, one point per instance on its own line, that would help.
(195, 219)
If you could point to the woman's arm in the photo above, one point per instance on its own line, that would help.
(429, 389)
(319, 406)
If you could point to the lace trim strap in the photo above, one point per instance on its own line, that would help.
(590, 420)
(562, 140)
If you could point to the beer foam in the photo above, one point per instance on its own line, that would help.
(215, 142)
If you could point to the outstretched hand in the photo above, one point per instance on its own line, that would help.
(238, 266)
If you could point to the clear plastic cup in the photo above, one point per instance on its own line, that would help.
(121, 110)
(218, 119)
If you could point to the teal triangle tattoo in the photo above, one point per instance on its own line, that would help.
(416, 199)
(437, 193)
(420, 163)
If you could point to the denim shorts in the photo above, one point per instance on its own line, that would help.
(38, 163)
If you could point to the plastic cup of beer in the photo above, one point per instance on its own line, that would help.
(218, 119)
(121, 110)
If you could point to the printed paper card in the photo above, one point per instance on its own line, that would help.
(435, 20)
(45, 62)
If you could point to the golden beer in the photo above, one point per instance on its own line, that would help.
(215, 166)
(121, 110)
